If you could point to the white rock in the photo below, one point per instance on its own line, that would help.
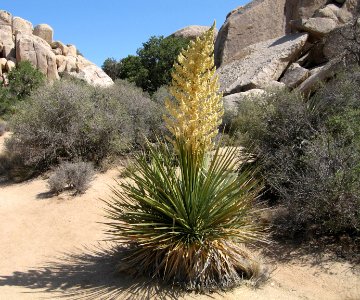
(93, 75)
(3, 63)
(192, 31)
(38, 52)
(10, 65)
(82, 62)
(57, 51)
(295, 75)
(72, 50)
(66, 63)
(8, 49)
(319, 75)
(316, 27)
(70, 64)
(231, 101)
(5, 21)
(59, 45)
(258, 65)
(60, 60)
(275, 85)
(21, 25)
(328, 12)
(45, 32)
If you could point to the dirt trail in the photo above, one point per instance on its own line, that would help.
(52, 247)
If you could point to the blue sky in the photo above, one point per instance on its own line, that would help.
(116, 28)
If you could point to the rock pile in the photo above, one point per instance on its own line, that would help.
(19, 41)
(285, 43)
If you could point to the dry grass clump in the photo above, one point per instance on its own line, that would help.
(71, 176)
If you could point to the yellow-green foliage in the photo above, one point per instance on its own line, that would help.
(197, 111)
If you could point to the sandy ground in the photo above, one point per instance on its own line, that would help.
(52, 247)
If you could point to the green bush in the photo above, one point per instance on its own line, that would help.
(22, 81)
(308, 153)
(73, 121)
(73, 176)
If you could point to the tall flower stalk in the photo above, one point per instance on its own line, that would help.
(198, 109)
(186, 214)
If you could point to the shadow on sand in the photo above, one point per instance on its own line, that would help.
(321, 252)
(88, 274)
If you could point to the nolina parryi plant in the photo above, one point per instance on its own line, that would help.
(187, 213)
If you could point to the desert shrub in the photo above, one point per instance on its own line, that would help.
(161, 94)
(308, 154)
(22, 81)
(145, 115)
(276, 130)
(324, 197)
(12, 168)
(74, 176)
(338, 95)
(186, 213)
(73, 121)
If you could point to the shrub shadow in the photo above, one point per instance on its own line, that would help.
(45, 195)
(316, 252)
(88, 274)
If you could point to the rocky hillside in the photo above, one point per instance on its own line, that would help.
(285, 43)
(20, 41)
(267, 43)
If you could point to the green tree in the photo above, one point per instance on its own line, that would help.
(151, 67)
(22, 81)
(132, 69)
(110, 67)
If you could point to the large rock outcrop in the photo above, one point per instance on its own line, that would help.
(256, 22)
(38, 52)
(318, 37)
(19, 41)
(258, 65)
(261, 20)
